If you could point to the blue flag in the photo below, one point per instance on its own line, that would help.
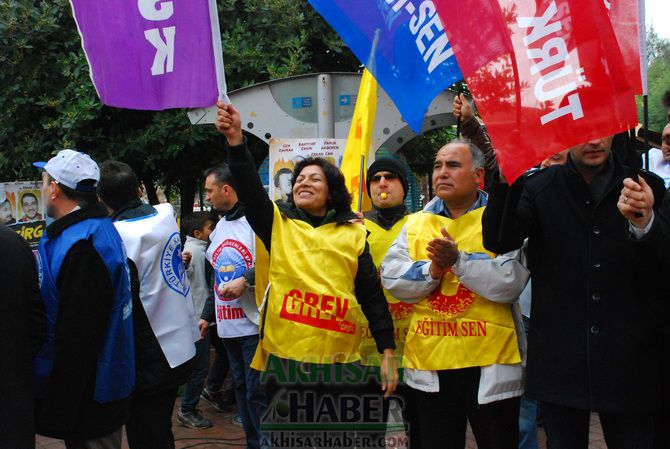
(413, 60)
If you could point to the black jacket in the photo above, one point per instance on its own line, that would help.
(22, 331)
(86, 297)
(590, 342)
(388, 217)
(367, 287)
(154, 374)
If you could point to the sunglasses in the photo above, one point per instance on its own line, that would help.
(666, 139)
(387, 176)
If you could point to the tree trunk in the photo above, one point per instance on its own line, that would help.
(150, 189)
(187, 190)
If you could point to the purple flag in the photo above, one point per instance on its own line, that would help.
(149, 54)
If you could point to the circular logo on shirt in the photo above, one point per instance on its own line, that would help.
(172, 267)
(400, 310)
(451, 306)
(230, 260)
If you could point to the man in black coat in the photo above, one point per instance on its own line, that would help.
(590, 345)
(22, 331)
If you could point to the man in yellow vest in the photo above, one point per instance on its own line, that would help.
(387, 186)
(463, 349)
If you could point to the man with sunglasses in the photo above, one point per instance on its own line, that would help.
(387, 186)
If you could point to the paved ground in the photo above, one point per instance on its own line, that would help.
(224, 434)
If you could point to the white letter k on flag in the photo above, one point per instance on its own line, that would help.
(164, 58)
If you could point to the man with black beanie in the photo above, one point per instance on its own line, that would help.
(387, 186)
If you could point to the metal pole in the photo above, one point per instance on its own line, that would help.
(326, 116)
(645, 109)
(361, 183)
(459, 90)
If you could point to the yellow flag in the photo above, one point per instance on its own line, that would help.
(358, 142)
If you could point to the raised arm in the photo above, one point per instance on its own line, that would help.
(259, 209)
(471, 129)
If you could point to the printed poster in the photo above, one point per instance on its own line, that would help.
(286, 153)
(22, 209)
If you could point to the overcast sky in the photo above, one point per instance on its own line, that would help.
(658, 14)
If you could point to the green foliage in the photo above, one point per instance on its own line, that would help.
(47, 100)
(659, 81)
(420, 151)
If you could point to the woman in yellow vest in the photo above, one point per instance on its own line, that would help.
(322, 281)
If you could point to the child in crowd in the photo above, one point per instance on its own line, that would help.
(197, 227)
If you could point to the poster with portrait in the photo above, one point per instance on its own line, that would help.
(22, 209)
(8, 209)
(286, 153)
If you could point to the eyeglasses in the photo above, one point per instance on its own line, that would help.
(666, 139)
(387, 176)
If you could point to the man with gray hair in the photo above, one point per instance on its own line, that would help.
(463, 350)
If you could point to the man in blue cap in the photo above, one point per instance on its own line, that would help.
(85, 371)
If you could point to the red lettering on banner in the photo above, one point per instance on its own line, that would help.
(316, 310)
(229, 313)
(430, 328)
(537, 68)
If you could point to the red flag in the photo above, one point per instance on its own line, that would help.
(545, 74)
(626, 22)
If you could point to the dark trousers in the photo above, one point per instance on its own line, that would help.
(111, 441)
(404, 398)
(568, 428)
(444, 415)
(662, 414)
(250, 396)
(220, 367)
(325, 403)
(150, 423)
(191, 397)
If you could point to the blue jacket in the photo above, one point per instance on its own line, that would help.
(115, 371)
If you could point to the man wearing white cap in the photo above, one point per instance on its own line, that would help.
(85, 371)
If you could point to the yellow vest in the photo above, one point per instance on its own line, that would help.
(454, 327)
(380, 241)
(312, 314)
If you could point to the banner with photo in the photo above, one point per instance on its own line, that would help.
(286, 153)
(22, 209)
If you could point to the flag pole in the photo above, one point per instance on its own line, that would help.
(361, 182)
(645, 119)
(361, 174)
(459, 90)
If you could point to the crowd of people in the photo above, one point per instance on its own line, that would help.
(330, 321)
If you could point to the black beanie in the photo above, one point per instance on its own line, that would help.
(390, 165)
